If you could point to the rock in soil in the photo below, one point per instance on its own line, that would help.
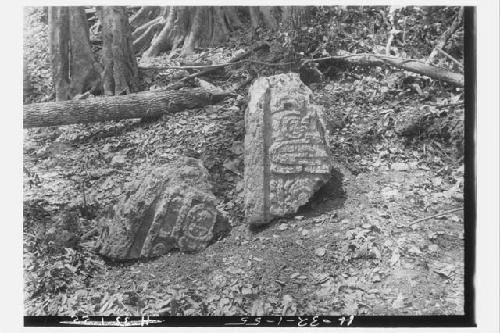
(172, 206)
(287, 157)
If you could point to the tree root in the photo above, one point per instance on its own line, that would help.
(190, 27)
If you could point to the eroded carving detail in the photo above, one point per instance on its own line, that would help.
(299, 156)
(172, 208)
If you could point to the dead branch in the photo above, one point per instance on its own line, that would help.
(411, 65)
(460, 66)
(447, 34)
(214, 67)
(435, 215)
(393, 32)
(443, 106)
(179, 84)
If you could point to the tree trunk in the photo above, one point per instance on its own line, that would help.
(74, 68)
(140, 105)
(85, 71)
(268, 17)
(120, 64)
(59, 50)
(27, 88)
(232, 17)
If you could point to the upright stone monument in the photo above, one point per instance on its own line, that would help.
(287, 157)
(171, 207)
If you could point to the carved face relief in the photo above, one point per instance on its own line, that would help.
(297, 145)
(291, 126)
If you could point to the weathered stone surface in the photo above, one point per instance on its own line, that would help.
(287, 157)
(171, 207)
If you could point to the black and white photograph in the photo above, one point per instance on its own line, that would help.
(250, 165)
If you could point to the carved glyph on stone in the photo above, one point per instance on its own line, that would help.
(171, 207)
(287, 157)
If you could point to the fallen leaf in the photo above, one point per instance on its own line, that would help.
(321, 277)
(433, 248)
(414, 250)
(320, 251)
(398, 302)
(246, 291)
(289, 306)
(232, 165)
(400, 166)
(237, 148)
(394, 258)
(257, 308)
(445, 270)
(283, 226)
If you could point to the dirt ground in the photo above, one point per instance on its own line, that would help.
(355, 249)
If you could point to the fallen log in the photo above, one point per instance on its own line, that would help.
(411, 65)
(140, 105)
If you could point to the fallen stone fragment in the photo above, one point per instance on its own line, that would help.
(171, 207)
(287, 157)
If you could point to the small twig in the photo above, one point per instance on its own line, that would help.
(91, 233)
(271, 63)
(441, 106)
(382, 57)
(237, 59)
(450, 57)
(188, 67)
(435, 215)
(446, 35)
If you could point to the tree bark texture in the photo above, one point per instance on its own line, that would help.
(27, 87)
(85, 71)
(59, 50)
(190, 27)
(120, 64)
(145, 14)
(74, 68)
(140, 105)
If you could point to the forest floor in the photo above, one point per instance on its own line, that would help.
(359, 247)
(353, 250)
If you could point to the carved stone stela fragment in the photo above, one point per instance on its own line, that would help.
(171, 207)
(287, 157)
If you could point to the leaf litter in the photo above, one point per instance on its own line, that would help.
(357, 258)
